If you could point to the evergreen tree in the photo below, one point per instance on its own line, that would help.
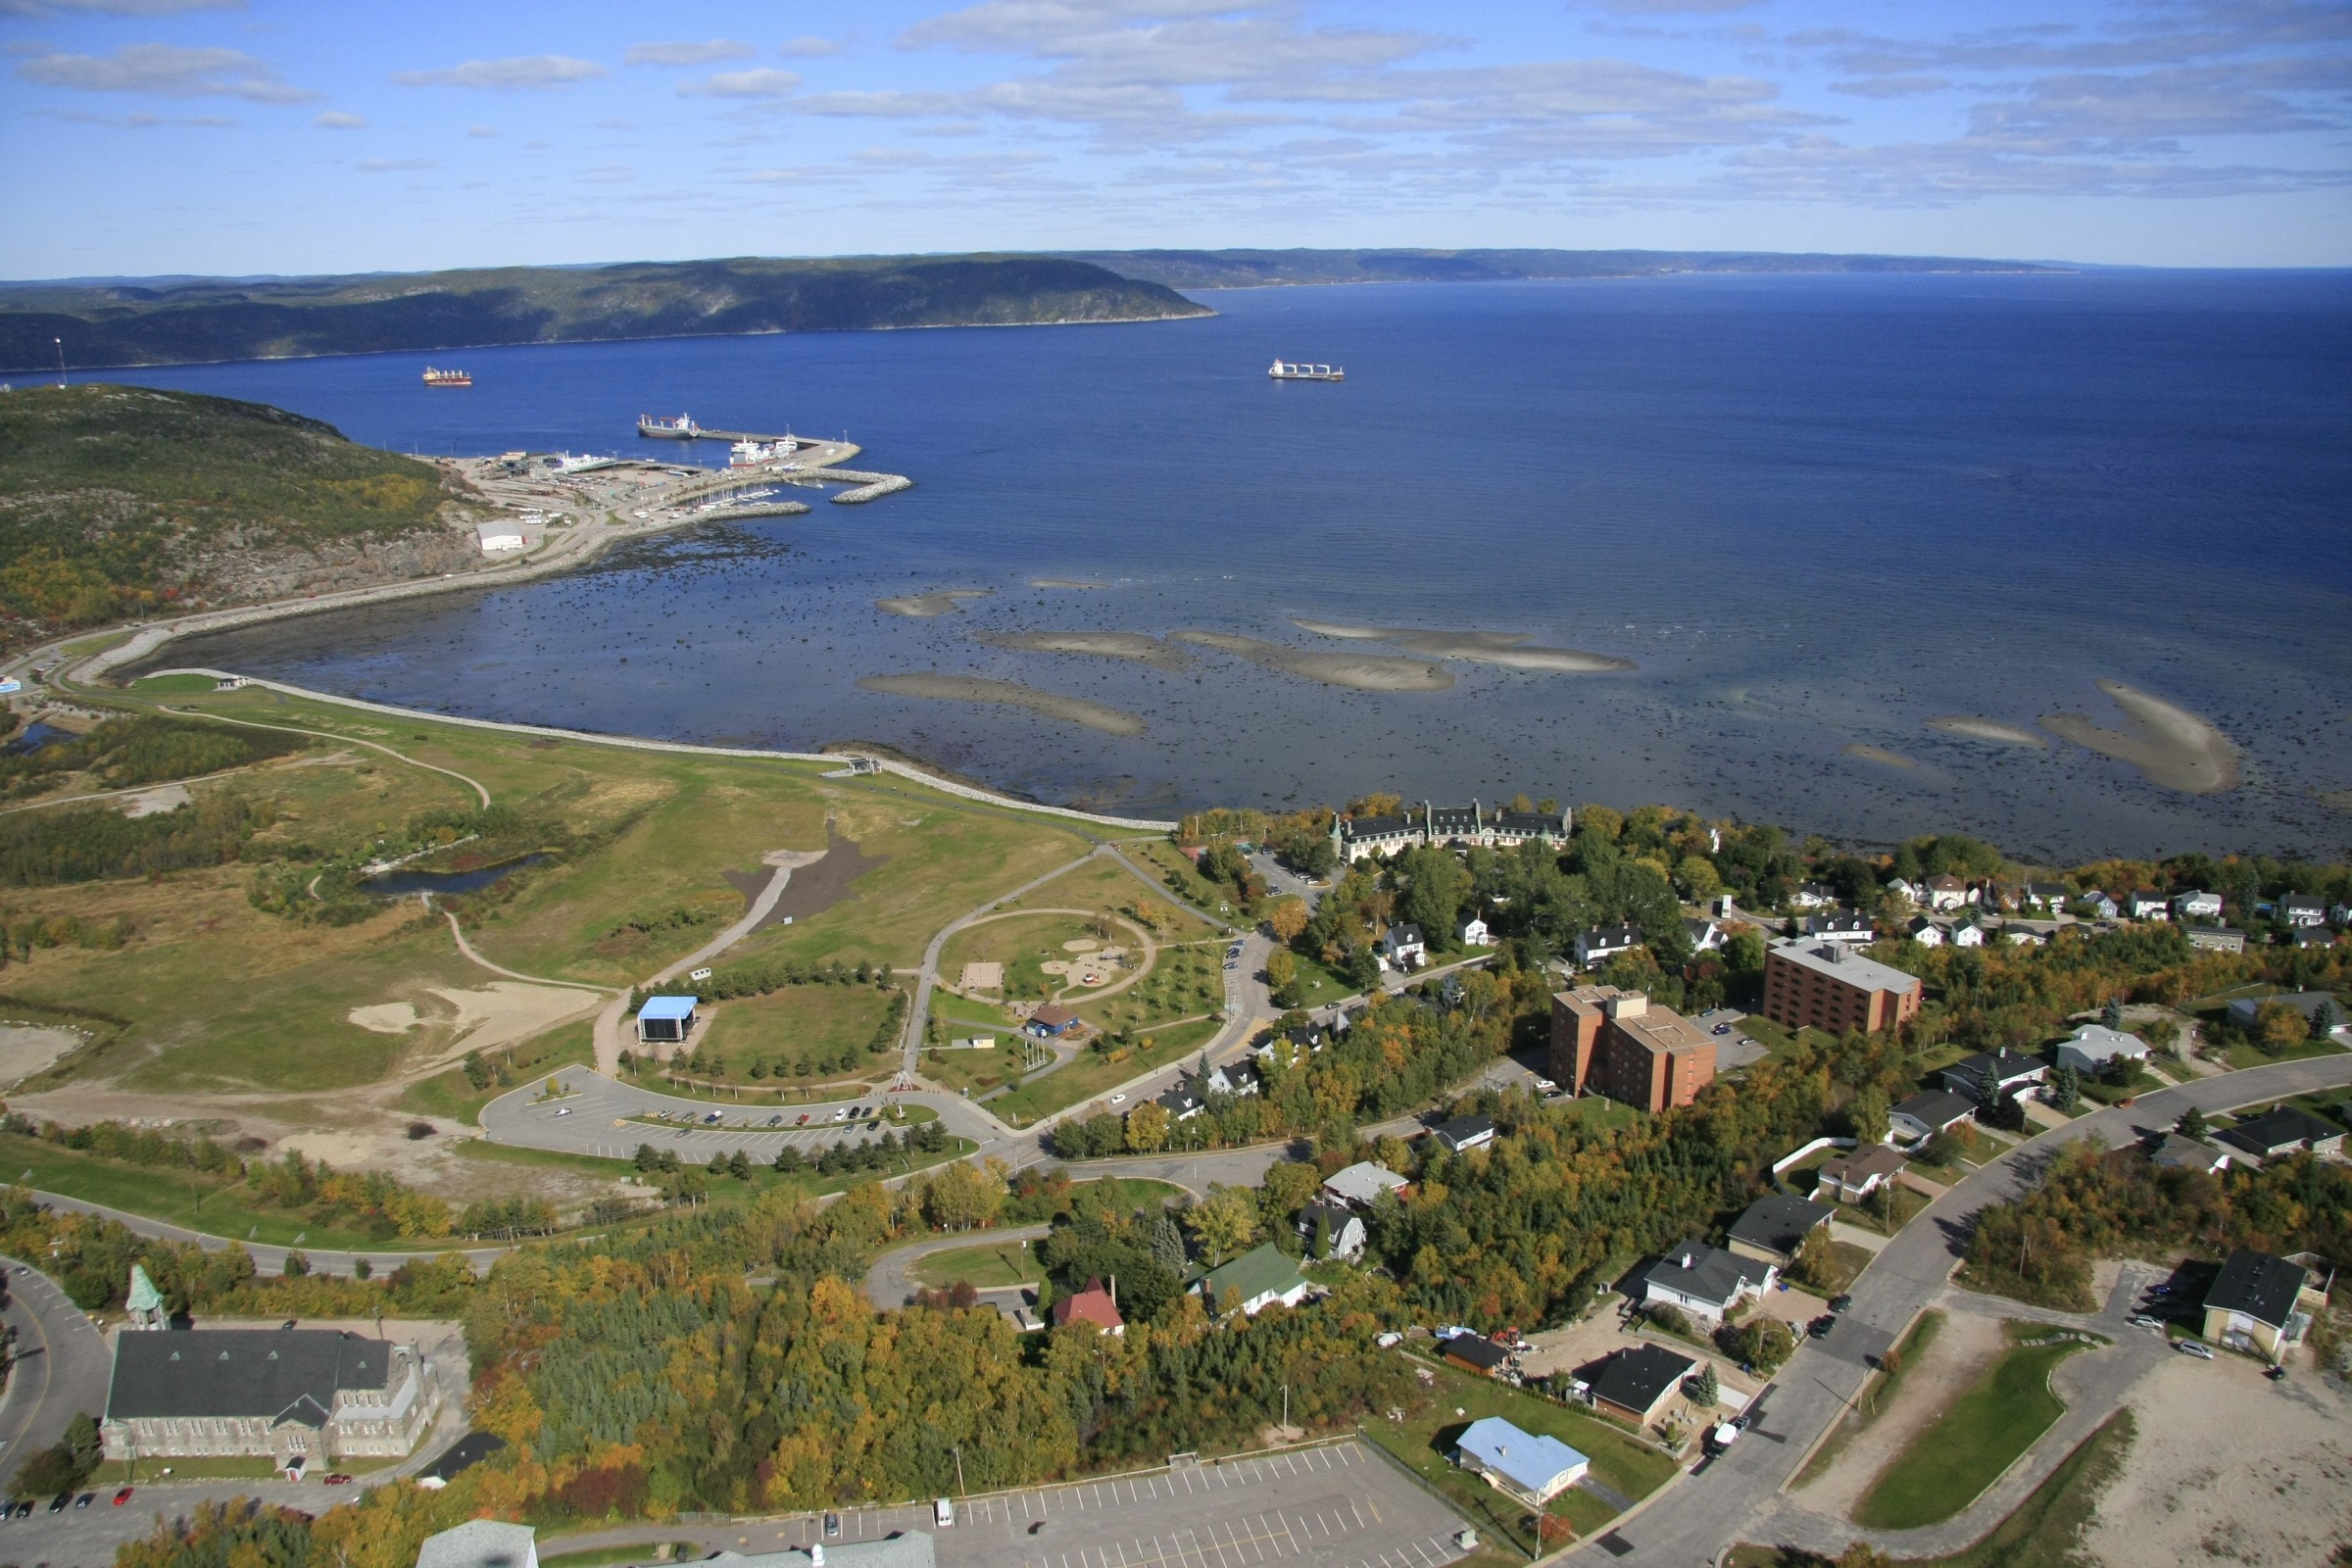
(2112, 1014)
(2066, 1088)
(1707, 1391)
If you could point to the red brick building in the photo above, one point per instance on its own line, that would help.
(1823, 986)
(1625, 1046)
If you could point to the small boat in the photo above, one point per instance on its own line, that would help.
(681, 428)
(433, 377)
(1286, 371)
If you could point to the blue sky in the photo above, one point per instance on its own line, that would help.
(154, 136)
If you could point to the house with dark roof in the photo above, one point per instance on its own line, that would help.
(1924, 1115)
(1466, 1132)
(1600, 945)
(1838, 926)
(1708, 1281)
(2172, 1151)
(1850, 1178)
(2010, 1070)
(2299, 909)
(1475, 1352)
(1051, 1021)
(2262, 1304)
(294, 1395)
(1182, 1102)
(2245, 1009)
(1343, 1229)
(2146, 904)
(1775, 1227)
(1639, 1381)
(2282, 1130)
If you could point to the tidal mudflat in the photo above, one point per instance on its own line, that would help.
(1365, 672)
(1007, 694)
(2170, 745)
(1510, 648)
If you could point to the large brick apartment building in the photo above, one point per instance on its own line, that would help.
(1625, 1046)
(1822, 985)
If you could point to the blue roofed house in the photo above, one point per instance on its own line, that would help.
(666, 1020)
(1530, 1468)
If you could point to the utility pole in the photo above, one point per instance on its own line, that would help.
(959, 1447)
(61, 361)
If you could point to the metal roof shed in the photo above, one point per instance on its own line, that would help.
(666, 1019)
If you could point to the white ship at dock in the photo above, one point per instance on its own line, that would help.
(754, 454)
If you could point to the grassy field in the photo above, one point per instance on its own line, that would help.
(1425, 1440)
(988, 1266)
(2244, 1054)
(1907, 1202)
(1024, 942)
(179, 1197)
(794, 1032)
(1876, 1396)
(1180, 876)
(451, 1093)
(1103, 884)
(1948, 1465)
(724, 1190)
(1093, 1073)
(1598, 1112)
(2044, 1532)
(1186, 981)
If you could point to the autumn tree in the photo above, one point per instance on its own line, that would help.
(1224, 1222)
(1287, 919)
(1147, 1128)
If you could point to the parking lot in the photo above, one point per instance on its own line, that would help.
(1335, 1506)
(597, 1118)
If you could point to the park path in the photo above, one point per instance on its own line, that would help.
(475, 784)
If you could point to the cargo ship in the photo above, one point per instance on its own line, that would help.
(433, 377)
(1284, 370)
(681, 428)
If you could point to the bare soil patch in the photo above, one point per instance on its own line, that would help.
(27, 1049)
(1962, 1349)
(2229, 1468)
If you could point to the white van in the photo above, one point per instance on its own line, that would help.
(943, 1514)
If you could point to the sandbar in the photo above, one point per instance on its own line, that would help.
(979, 689)
(1988, 729)
(1511, 649)
(1064, 582)
(1876, 754)
(2170, 745)
(1370, 673)
(921, 607)
(1134, 645)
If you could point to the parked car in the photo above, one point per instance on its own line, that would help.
(563, 1110)
(8, 1510)
(85, 1499)
(1119, 1100)
(2144, 1321)
(122, 1496)
(2202, 1352)
(709, 1119)
(2277, 1374)
(832, 1524)
(1820, 1327)
(1723, 1029)
(1840, 1304)
(338, 1479)
(804, 1122)
(56, 1504)
(776, 1119)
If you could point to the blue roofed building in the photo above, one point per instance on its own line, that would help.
(666, 1020)
(1532, 1469)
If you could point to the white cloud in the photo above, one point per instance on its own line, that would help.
(686, 54)
(394, 165)
(808, 46)
(136, 121)
(482, 132)
(338, 120)
(166, 72)
(1891, 86)
(765, 82)
(513, 73)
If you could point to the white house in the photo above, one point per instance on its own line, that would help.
(2146, 904)
(1916, 893)
(1598, 946)
(1472, 933)
(2196, 906)
(1693, 1277)
(1812, 896)
(1967, 934)
(1464, 1133)
(1340, 1223)
(2300, 912)
(2100, 905)
(1949, 893)
(1852, 929)
(1926, 932)
(2094, 1045)
(1706, 936)
(1532, 1469)
(1924, 1115)
(1403, 946)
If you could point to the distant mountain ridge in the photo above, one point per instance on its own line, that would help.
(181, 320)
(185, 322)
(1253, 269)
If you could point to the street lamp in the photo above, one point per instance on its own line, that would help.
(959, 1448)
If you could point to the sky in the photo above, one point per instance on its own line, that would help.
(142, 137)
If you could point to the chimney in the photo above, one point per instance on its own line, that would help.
(1114, 1292)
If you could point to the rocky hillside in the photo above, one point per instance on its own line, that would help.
(116, 500)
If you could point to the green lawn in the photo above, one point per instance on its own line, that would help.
(795, 1030)
(2246, 1054)
(1022, 944)
(1906, 1203)
(1093, 1073)
(181, 1197)
(1181, 877)
(1948, 1465)
(1425, 1440)
(989, 1264)
(452, 1094)
(1598, 1112)
(1876, 1396)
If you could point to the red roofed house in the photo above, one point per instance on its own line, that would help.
(1095, 1306)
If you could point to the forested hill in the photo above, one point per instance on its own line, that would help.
(208, 320)
(116, 498)
(1251, 268)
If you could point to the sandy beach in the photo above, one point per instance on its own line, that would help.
(1513, 650)
(1974, 728)
(1008, 694)
(2170, 745)
(1129, 645)
(921, 607)
(1370, 673)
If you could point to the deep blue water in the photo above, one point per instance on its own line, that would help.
(1815, 511)
(408, 884)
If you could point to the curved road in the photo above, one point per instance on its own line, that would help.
(1726, 1501)
(62, 1366)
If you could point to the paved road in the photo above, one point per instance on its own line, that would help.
(1337, 1505)
(891, 1282)
(1726, 1501)
(62, 1368)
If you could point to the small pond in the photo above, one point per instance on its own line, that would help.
(405, 884)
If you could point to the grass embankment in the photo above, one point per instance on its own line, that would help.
(1951, 1463)
(1878, 1394)
(189, 1199)
(1426, 1441)
(2045, 1531)
(985, 1266)
(796, 1033)
(724, 1190)
(452, 1094)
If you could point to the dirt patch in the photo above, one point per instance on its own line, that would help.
(1962, 1349)
(2231, 1468)
(506, 1010)
(817, 887)
(922, 607)
(386, 1017)
(161, 801)
(1134, 645)
(983, 977)
(27, 1049)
